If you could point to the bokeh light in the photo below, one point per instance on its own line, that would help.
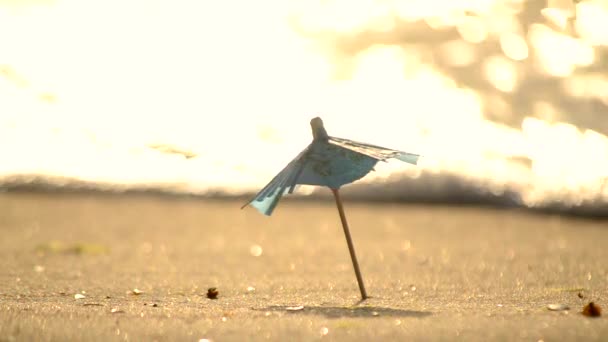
(477, 87)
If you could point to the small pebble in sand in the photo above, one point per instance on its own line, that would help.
(558, 307)
(295, 308)
(592, 310)
(212, 293)
(136, 292)
(256, 250)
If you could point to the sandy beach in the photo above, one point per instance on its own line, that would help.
(95, 267)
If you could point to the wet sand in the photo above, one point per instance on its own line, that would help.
(434, 272)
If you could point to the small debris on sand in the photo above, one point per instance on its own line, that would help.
(77, 248)
(92, 304)
(592, 310)
(295, 308)
(135, 292)
(212, 293)
(558, 307)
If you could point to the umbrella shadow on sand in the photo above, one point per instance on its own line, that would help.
(355, 311)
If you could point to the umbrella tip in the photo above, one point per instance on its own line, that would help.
(318, 131)
(316, 119)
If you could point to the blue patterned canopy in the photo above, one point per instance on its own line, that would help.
(327, 161)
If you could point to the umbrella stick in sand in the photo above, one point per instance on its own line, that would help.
(331, 162)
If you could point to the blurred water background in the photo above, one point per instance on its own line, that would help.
(506, 100)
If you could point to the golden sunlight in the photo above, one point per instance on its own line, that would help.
(87, 87)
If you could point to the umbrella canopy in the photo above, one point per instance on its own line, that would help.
(326, 161)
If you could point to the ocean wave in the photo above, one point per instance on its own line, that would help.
(456, 189)
(427, 188)
(62, 184)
